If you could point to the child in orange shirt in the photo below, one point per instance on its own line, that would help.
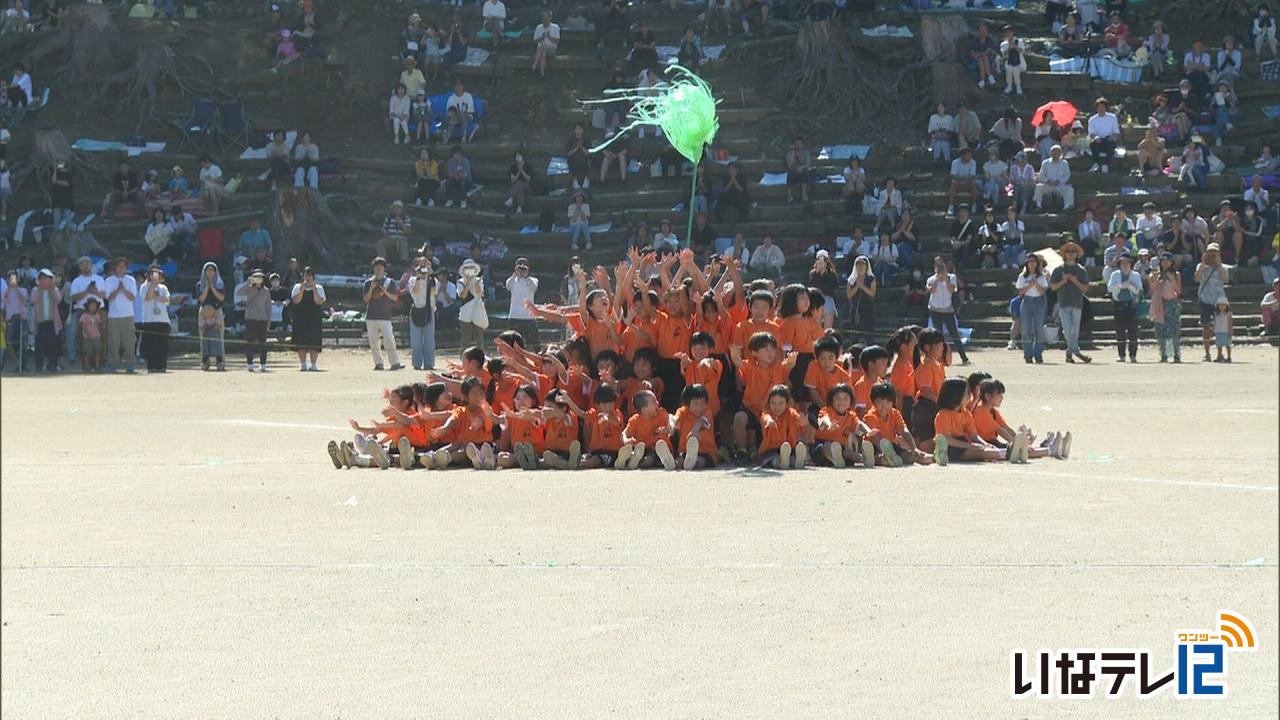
(957, 437)
(838, 431)
(639, 328)
(560, 431)
(797, 333)
(759, 374)
(973, 382)
(367, 449)
(826, 372)
(604, 429)
(524, 434)
(700, 368)
(781, 425)
(758, 320)
(470, 430)
(473, 366)
(929, 375)
(642, 368)
(992, 427)
(649, 427)
(902, 346)
(600, 327)
(432, 406)
(887, 430)
(695, 433)
(874, 362)
(675, 326)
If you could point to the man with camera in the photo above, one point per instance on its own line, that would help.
(380, 296)
(522, 287)
(85, 285)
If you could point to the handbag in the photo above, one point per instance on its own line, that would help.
(473, 312)
(420, 316)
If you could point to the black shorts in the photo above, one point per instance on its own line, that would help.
(798, 392)
(608, 458)
(1207, 312)
(922, 414)
(955, 454)
(753, 423)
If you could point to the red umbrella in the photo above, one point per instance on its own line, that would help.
(1064, 113)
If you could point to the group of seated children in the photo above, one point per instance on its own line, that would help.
(644, 384)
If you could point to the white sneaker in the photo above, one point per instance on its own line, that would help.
(624, 457)
(448, 203)
(1064, 446)
(431, 202)
(380, 455)
(334, 454)
(463, 204)
(1106, 169)
(441, 459)
(588, 245)
(982, 83)
(509, 202)
(784, 456)
(553, 460)
(488, 457)
(691, 448)
(869, 454)
(1011, 346)
(418, 202)
(1019, 89)
(1017, 451)
(890, 453)
(991, 80)
(835, 453)
(951, 210)
(407, 456)
(802, 456)
(473, 454)
(1008, 89)
(1094, 167)
(262, 367)
(519, 209)
(575, 454)
(249, 367)
(663, 450)
(940, 450)
(637, 456)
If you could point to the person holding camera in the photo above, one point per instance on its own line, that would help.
(85, 285)
(472, 316)
(257, 318)
(155, 320)
(307, 300)
(421, 287)
(380, 296)
(522, 287)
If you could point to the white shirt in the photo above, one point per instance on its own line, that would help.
(668, 240)
(398, 106)
(521, 289)
(939, 293)
(23, 82)
(579, 213)
(944, 123)
(544, 34)
(891, 199)
(767, 256)
(1104, 125)
(962, 169)
(81, 283)
(121, 306)
(209, 174)
(297, 287)
(156, 310)
(1035, 284)
(995, 168)
(1150, 227)
(494, 10)
(1055, 170)
(463, 103)
(1261, 199)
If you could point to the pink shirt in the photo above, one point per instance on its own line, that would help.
(91, 325)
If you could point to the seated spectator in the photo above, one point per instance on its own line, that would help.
(1104, 136)
(799, 170)
(255, 244)
(277, 158)
(889, 206)
(1225, 105)
(1157, 45)
(982, 53)
(1007, 133)
(1076, 144)
(1195, 166)
(460, 111)
(904, 238)
(306, 162)
(1055, 179)
(1228, 232)
(1190, 235)
(396, 227)
(752, 11)
(51, 13)
(1013, 236)
(1047, 134)
(964, 178)
(183, 226)
(1270, 307)
(151, 186)
(855, 185)
(767, 260)
(1089, 234)
(963, 236)
(1197, 65)
(1116, 37)
(615, 111)
(412, 37)
(546, 38)
(613, 17)
(733, 199)
(1257, 195)
(618, 152)
(1151, 152)
(644, 49)
(1023, 178)
(884, 261)
(432, 52)
(1229, 64)
(420, 111)
(427, 171)
(458, 43)
(689, 54)
(521, 183)
(968, 126)
(1089, 18)
(1267, 163)
(494, 14)
(995, 176)
(158, 236)
(286, 50)
(458, 183)
(124, 188)
(398, 109)
(941, 127)
(1014, 54)
(665, 241)
(579, 215)
(212, 184)
(578, 158)
(1150, 227)
(178, 186)
(1071, 36)
(1264, 31)
(719, 17)
(703, 239)
(1119, 247)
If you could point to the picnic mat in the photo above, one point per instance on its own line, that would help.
(261, 153)
(843, 152)
(475, 56)
(894, 31)
(91, 145)
(773, 179)
(668, 54)
(1107, 69)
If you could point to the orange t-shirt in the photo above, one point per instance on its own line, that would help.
(719, 330)
(743, 331)
(799, 332)
(929, 375)
(673, 334)
(862, 393)
(699, 374)
(606, 430)
(644, 429)
(986, 421)
(560, 432)
(462, 431)
(427, 425)
(887, 428)
(841, 425)
(822, 381)
(504, 392)
(527, 431)
(903, 376)
(706, 435)
(633, 385)
(633, 341)
(757, 381)
(955, 424)
(482, 375)
(777, 430)
(599, 337)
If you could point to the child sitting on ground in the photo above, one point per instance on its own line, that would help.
(695, 433)
(956, 437)
(759, 374)
(886, 429)
(560, 431)
(367, 449)
(649, 427)
(992, 428)
(874, 362)
(523, 432)
(825, 373)
(604, 429)
(781, 426)
(469, 430)
(837, 436)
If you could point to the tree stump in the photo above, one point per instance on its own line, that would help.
(945, 40)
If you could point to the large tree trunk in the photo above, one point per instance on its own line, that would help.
(944, 39)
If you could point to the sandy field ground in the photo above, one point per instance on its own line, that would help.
(179, 546)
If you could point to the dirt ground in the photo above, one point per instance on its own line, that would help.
(180, 546)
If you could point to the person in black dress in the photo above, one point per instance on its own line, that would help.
(308, 311)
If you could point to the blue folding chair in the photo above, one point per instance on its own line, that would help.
(197, 130)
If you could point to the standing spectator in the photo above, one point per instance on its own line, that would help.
(88, 284)
(155, 320)
(995, 176)
(546, 38)
(942, 287)
(395, 232)
(1264, 31)
(861, 292)
(92, 328)
(380, 295)
(62, 197)
(472, 318)
(458, 184)
(1071, 283)
(1033, 286)
(768, 259)
(47, 321)
(15, 316)
(1104, 135)
(1055, 179)
(982, 51)
(823, 277)
(257, 318)
(121, 290)
(889, 205)
(799, 170)
(1014, 52)
(211, 293)
(579, 215)
(427, 171)
(422, 310)
(124, 188)
(308, 300)
(1125, 288)
(306, 162)
(1211, 277)
(941, 127)
(1166, 307)
(521, 183)
(522, 287)
(964, 178)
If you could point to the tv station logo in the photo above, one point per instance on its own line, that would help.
(1199, 671)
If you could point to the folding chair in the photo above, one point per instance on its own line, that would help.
(233, 125)
(197, 130)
